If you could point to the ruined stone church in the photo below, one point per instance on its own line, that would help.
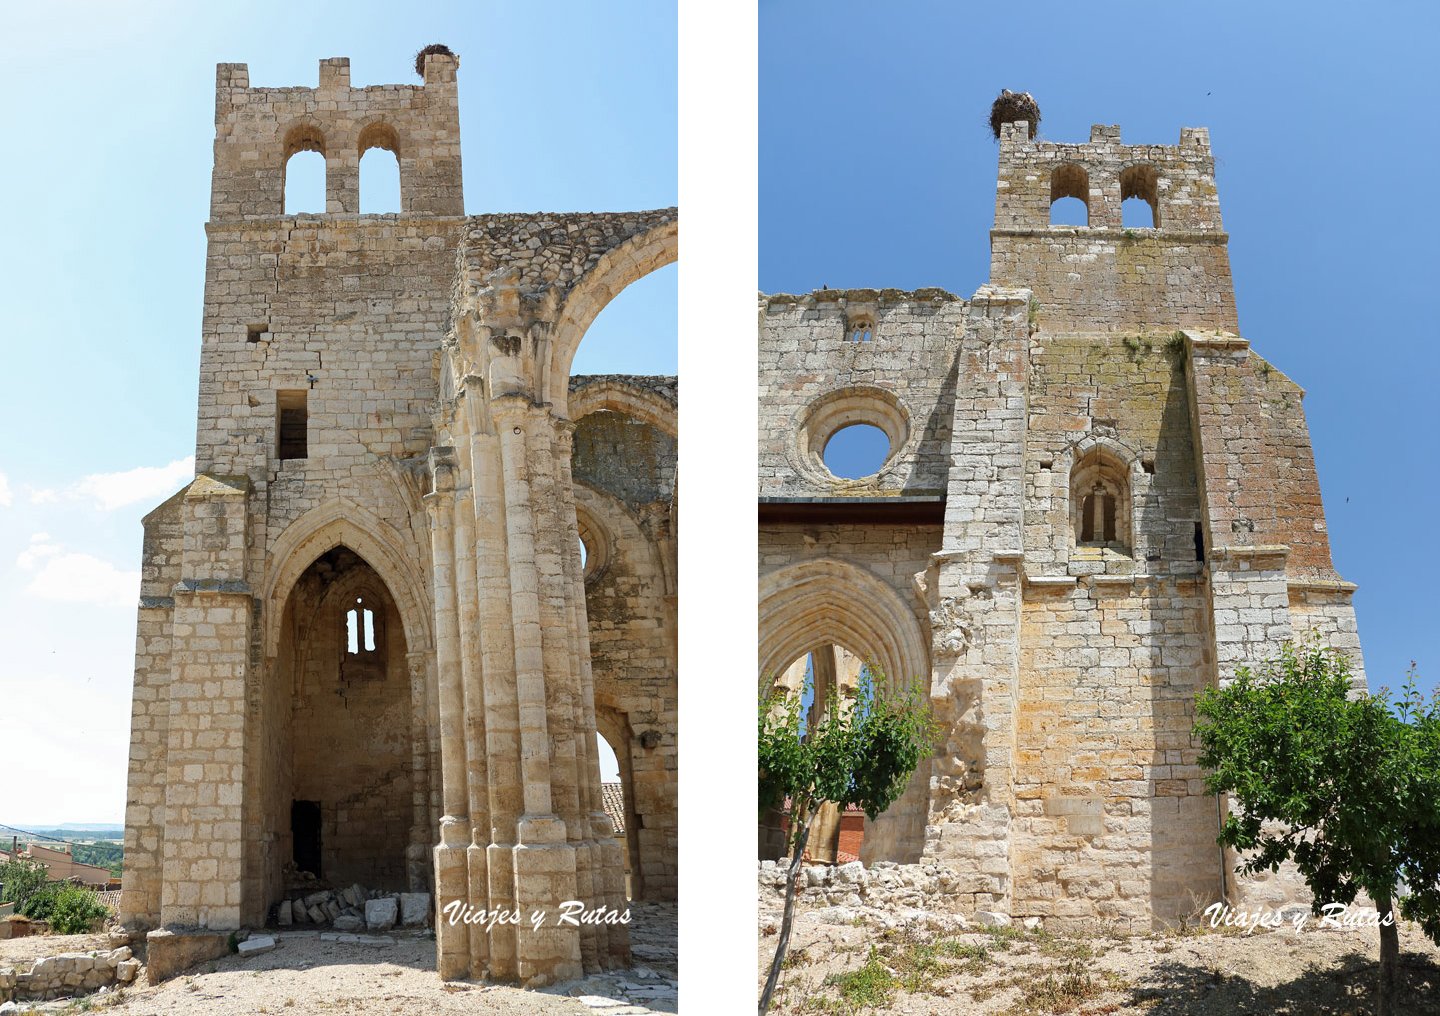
(1097, 499)
(420, 564)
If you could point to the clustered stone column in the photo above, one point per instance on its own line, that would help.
(516, 704)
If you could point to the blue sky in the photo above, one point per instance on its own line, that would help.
(564, 106)
(877, 169)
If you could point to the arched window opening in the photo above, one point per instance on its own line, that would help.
(860, 328)
(1139, 197)
(1070, 196)
(379, 170)
(379, 183)
(1100, 501)
(304, 184)
(856, 451)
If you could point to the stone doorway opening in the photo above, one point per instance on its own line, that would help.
(305, 827)
(337, 766)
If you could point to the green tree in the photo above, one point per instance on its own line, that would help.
(1345, 784)
(20, 880)
(861, 753)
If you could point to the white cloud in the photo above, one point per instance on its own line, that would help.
(6, 498)
(66, 576)
(40, 547)
(144, 483)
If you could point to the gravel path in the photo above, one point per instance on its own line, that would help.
(305, 974)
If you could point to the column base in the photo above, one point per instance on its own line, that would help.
(547, 939)
(452, 895)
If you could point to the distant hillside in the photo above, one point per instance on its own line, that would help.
(64, 831)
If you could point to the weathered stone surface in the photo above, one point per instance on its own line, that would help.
(1096, 499)
(387, 435)
(380, 914)
(414, 909)
(168, 952)
(257, 944)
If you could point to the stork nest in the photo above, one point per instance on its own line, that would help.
(1010, 107)
(437, 47)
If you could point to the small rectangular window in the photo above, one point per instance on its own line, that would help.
(257, 333)
(292, 424)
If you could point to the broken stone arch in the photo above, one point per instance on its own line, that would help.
(829, 601)
(615, 396)
(627, 262)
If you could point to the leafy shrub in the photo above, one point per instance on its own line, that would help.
(70, 909)
(21, 880)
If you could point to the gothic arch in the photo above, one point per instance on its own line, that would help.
(617, 268)
(344, 523)
(633, 401)
(831, 601)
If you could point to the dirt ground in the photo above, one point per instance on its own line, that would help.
(306, 975)
(864, 968)
(15, 952)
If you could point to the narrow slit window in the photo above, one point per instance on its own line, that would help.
(293, 425)
(352, 632)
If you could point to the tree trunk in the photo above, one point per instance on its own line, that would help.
(787, 920)
(1389, 957)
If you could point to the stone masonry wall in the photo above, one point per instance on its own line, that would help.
(1099, 367)
(816, 378)
(1102, 276)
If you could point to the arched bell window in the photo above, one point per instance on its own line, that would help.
(1100, 501)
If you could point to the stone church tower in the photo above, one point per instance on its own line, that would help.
(367, 645)
(1097, 499)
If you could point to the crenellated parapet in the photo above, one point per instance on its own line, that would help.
(1102, 275)
(257, 130)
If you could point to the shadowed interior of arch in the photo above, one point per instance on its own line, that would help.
(335, 753)
(857, 450)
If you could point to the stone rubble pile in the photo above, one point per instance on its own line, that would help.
(68, 974)
(355, 908)
(882, 884)
(651, 985)
(886, 894)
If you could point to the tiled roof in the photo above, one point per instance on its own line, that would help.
(612, 795)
